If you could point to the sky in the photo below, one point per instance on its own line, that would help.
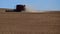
(34, 4)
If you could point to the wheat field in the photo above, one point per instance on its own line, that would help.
(29, 23)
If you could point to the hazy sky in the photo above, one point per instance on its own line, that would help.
(35, 4)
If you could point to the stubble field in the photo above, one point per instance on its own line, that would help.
(29, 23)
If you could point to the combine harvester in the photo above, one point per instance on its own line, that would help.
(19, 8)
